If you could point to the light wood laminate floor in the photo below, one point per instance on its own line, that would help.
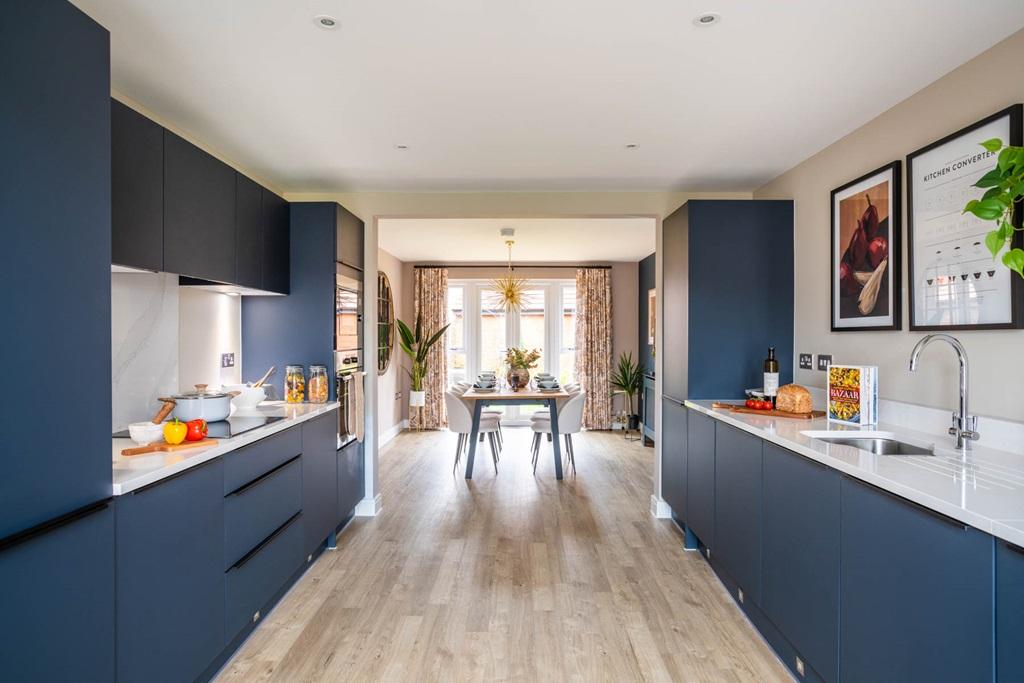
(513, 577)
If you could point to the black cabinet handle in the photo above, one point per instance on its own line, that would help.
(242, 489)
(673, 400)
(265, 542)
(1013, 547)
(53, 524)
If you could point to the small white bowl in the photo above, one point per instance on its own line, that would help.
(145, 433)
(248, 397)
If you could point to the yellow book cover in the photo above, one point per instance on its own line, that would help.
(852, 394)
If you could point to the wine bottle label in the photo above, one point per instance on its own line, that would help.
(771, 383)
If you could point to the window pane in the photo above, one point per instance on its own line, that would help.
(567, 355)
(456, 335)
(531, 325)
(492, 332)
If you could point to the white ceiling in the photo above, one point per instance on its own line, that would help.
(533, 94)
(537, 240)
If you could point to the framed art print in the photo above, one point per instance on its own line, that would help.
(652, 312)
(866, 252)
(955, 284)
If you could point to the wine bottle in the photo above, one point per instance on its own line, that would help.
(771, 375)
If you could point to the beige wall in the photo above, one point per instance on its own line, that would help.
(986, 84)
(391, 383)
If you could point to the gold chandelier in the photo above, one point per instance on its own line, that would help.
(511, 289)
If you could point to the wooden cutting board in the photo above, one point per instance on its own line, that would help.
(165, 447)
(739, 408)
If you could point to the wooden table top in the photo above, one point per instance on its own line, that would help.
(505, 394)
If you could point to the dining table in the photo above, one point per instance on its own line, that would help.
(505, 396)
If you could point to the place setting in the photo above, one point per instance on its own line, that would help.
(486, 383)
(547, 383)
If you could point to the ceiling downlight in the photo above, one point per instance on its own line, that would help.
(326, 22)
(707, 19)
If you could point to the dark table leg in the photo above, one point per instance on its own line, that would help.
(554, 438)
(473, 436)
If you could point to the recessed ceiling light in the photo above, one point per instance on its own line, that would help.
(326, 21)
(632, 145)
(401, 148)
(706, 19)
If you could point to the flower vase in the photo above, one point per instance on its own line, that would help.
(518, 378)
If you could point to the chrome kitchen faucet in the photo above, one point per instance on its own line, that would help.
(965, 425)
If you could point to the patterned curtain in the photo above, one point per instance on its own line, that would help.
(594, 344)
(431, 295)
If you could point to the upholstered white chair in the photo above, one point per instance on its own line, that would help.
(460, 421)
(571, 388)
(570, 421)
(461, 388)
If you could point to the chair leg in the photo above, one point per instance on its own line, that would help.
(493, 440)
(536, 450)
(458, 452)
(572, 452)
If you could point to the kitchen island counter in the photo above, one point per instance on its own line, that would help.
(133, 472)
(985, 489)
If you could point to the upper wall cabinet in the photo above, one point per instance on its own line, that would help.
(137, 190)
(199, 212)
(248, 232)
(350, 238)
(276, 231)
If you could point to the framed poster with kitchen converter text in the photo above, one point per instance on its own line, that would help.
(955, 284)
(866, 252)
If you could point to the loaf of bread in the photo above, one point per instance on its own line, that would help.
(793, 398)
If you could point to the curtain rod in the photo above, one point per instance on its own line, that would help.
(499, 265)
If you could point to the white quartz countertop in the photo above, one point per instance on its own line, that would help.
(133, 472)
(985, 489)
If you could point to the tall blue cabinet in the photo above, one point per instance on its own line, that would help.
(57, 616)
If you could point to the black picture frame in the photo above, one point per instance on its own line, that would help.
(1015, 113)
(893, 172)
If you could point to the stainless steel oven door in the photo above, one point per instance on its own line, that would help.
(348, 419)
(348, 308)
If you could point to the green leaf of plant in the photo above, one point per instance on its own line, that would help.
(994, 243)
(990, 192)
(993, 145)
(987, 214)
(1005, 230)
(1006, 158)
(1014, 260)
(990, 179)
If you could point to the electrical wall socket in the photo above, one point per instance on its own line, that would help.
(227, 360)
(824, 360)
(806, 361)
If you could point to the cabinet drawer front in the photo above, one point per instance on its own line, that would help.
(252, 462)
(255, 579)
(253, 512)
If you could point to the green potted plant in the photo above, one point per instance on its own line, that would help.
(417, 345)
(520, 362)
(628, 377)
(1004, 189)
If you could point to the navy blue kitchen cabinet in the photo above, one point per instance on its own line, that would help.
(700, 477)
(57, 615)
(738, 481)
(320, 479)
(137, 189)
(647, 405)
(351, 481)
(255, 510)
(199, 212)
(800, 559)
(675, 297)
(350, 238)
(55, 264)
(916, 592)
(248, 232)
(170, 576)
(1009, 612)
(673, 456)
(276, 270)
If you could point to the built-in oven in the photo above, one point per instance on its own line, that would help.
(348, 309)
(349, 377)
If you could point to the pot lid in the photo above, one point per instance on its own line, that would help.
(200, 392)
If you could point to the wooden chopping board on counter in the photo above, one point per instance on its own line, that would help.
(167, 447)
(740, 408)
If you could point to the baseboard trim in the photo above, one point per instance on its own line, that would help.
(659, 508)
(389, 434)
(368, 507)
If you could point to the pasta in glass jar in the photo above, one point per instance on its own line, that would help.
(294, 384)
(319, 390)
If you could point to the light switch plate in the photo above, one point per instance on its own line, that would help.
(824, 360)
(227, 360)
(806, 361)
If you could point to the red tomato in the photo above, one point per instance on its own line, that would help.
(764, 405)
(197, 430)
(751, 403)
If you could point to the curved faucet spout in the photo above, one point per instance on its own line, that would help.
(964, 424)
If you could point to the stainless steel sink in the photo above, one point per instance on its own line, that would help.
(877, 444)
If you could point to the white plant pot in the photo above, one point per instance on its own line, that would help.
(417, 399)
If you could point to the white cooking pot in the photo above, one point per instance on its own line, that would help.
(203, 404)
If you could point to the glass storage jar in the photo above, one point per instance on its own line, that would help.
(294, 384)
(319, 390)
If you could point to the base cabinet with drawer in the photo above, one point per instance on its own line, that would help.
(351, 481)
(319, 480)
(700, 477)
(738, 507)
(170, 577)
(1009, 612)
(673, 456)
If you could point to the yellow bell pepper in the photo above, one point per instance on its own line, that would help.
(174, 431)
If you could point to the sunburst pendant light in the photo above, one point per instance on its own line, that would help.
(511, 289)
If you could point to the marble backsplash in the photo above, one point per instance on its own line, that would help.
(144, 344)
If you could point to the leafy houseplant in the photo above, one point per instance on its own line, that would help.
(1004, 189)
(520, 362)
(417, 345)
(628, 377)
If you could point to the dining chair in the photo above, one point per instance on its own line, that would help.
(460, 421)
(571, 388)
(570, 421)
(461, 388)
